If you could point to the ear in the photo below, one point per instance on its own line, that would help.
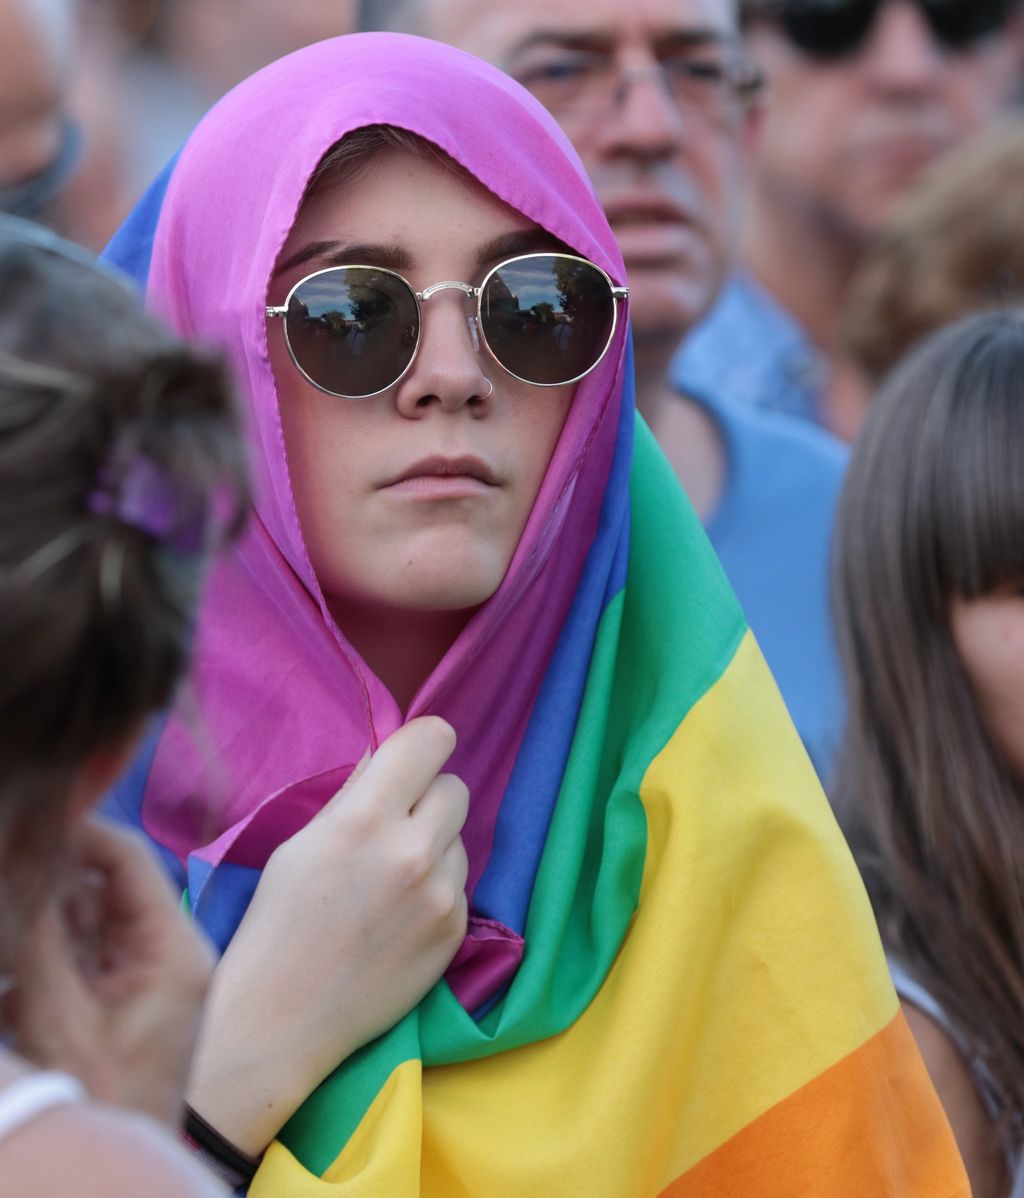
(98, 773)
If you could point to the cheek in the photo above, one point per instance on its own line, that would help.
(735, 175)
(982, 87)
(721, 163)
(537, 421)
(321, 437)
(807, 115)
(989, 637)
(991, 649)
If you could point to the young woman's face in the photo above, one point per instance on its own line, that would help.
(989, 636)
(415, 499)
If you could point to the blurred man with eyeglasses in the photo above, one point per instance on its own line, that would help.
(663, 105)
(39, 145)
(865, 94)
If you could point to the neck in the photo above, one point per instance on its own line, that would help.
(652, 361)
(402, 648)
(688, 436)
(805, 264)
(847, 400)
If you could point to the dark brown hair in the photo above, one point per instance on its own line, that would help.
(95, 611)
(348, 158)
(932, 509)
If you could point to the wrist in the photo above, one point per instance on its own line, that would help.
(247, 1094)
(223, 1158)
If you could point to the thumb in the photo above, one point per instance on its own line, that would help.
(358, 770)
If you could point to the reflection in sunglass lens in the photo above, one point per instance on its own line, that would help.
(353, 329)
(547, 318)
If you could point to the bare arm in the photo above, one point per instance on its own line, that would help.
(353, 920)
(974, 1130)
(92, 1151)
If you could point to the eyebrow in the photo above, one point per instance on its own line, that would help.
(510, 245)
(596, 41)
(395, 257)
(348, 253)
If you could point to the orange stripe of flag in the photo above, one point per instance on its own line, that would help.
(818, 1142)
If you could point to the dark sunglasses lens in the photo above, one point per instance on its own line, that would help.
(547, 318)
(834, 28)
(353, 330)
(826, 28)
(958, 23)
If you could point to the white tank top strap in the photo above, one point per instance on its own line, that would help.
(34, 1093)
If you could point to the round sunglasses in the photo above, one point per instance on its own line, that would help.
(835, 28)
(546, 319)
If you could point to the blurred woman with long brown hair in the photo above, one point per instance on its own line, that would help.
(930, 607)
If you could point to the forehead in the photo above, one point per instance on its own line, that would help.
(497, 31)
(406, 200)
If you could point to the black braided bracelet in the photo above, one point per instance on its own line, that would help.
(231, 1164)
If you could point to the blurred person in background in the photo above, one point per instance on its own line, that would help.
(221, 42)
(96, 95)
(39, 143)
(930, 607)
(952, 247)
(119, 453)
(865, 94)
(663, 107)
(185, 54)
(61, 153)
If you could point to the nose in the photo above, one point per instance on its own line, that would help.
(447, 372)
(647, 123)
(902, 55)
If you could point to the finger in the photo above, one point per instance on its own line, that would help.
(135, 883)
(357, 772)
(404, 766)
(455, 863)
(441, 813)
(48, 986)
(360, 767)
(45, 956)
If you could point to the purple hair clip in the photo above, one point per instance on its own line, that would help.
(142, 496)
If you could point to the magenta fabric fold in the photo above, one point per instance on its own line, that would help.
(281, 706)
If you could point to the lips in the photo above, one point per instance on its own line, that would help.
(652, 230)
(641, 208)
(437, 467)
(903, 153)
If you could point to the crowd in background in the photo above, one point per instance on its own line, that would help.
(822, 232)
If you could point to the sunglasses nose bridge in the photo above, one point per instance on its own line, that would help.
(469, 291)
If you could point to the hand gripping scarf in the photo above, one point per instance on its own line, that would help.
(672, 982)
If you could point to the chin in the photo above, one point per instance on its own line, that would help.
(666, 309)
(445, 598)
(437, 586)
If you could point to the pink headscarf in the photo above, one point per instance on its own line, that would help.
(285, 703)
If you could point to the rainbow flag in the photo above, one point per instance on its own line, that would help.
(704, 1007)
